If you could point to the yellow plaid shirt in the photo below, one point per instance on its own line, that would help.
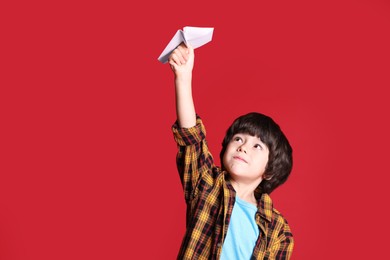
(210, 199)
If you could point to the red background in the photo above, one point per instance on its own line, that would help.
(87, 156)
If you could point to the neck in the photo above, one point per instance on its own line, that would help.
(245, 192)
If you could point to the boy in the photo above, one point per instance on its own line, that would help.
(229, 212)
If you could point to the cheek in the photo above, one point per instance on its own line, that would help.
(266, 161)
(263, 161)
(229, 149)
(226, 155)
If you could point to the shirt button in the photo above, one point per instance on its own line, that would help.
(219, 245)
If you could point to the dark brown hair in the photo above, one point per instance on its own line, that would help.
(280, 152)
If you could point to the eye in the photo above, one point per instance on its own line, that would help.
(258, 146)
(237, 139)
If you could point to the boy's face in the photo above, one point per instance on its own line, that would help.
(245, 158)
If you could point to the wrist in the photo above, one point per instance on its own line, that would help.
(183, 78)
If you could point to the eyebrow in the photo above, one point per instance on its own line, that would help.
(257, 137)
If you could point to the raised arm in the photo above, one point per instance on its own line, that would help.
(182, 63)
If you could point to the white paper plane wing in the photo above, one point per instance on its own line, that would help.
(195, 36)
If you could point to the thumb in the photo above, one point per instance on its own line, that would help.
(190, 48)
(190, 51)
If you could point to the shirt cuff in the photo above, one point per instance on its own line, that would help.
(191, 135)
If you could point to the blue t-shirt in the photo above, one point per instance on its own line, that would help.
(242, 232)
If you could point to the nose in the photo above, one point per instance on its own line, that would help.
(241, 148)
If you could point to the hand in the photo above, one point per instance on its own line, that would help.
(182, 61)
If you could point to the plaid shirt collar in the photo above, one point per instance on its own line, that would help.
(265, 206)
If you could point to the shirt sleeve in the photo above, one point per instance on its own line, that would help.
(194, 161)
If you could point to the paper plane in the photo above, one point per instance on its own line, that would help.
(195, 36)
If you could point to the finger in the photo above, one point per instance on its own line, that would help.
(173, 65)
(183, 45)
(180, 54)
(175, 57)
(183, 51)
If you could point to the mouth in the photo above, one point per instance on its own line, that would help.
(239, 159)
